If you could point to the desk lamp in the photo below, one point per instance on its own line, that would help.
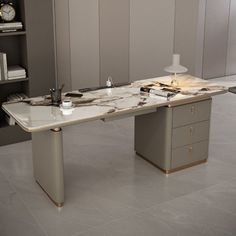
(175, 69)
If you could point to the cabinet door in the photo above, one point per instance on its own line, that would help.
(151, 37)
(231, 58)
(63, 43)
(40, 46)
(84, 43)
(114, 40)
(216, 37)
(189, 34)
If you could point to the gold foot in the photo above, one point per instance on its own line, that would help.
(55, 203)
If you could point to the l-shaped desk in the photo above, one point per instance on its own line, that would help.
(170, 133)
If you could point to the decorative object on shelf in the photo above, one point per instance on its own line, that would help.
(3, 65)
(11, 27)
(175, 69)
(7, 12)
(16, 72)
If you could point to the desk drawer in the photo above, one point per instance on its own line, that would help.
(191, 113)
(189, 154)
(189, 134)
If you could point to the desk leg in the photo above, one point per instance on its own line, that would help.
(153, 134)
(48, 163)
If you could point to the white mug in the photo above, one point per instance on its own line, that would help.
(67, 103)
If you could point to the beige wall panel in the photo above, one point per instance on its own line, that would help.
(216, 38)
(84, 42)
(63, 43)
(189, 34)
(231, 57)
(114, 40)
(151, 37)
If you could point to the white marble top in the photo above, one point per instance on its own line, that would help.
(111, 103)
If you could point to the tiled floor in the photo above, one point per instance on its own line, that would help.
(112, 192)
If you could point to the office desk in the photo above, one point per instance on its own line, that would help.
(153, 125)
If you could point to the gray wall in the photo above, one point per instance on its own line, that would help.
(205, 36)
(216, 38)
(189, 34)
(63, 43)
(84, 42)
(151, 37)
(114, 40)
(231, 57)
(135, 39)
(127, 40)
(40, 46)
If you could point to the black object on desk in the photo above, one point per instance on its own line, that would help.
(232, 89)
(74, 95)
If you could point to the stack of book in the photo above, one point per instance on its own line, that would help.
(10, 72)
(16, 72)
(12, 26)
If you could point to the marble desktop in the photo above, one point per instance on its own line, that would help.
(111, 102)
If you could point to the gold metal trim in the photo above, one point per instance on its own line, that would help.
(174, 169)
(184, 167)
(56, 130)
(55, 203)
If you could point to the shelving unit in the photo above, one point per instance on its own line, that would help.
(33, 49)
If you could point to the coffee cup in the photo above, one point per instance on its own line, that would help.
(67, 103)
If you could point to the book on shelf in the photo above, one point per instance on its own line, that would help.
(16, 72)
(16, 97)
(3, 66)
(12, 26)
(17, 77)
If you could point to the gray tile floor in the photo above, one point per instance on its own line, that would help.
(112, 192)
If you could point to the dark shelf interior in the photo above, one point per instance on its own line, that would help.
(14, 48)
(3, 123)
(13, 134)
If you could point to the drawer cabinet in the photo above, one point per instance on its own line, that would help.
(188, 134)
(191, 113)
(174, 137)
(189, 154)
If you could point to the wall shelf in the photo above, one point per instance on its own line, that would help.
(16, 33)
(13, 81)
